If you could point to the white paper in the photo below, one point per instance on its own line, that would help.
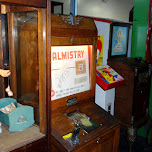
(69, 70)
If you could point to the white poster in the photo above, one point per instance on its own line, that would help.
(69, 70)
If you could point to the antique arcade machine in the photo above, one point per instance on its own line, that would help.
(77, 123)
(26, 59)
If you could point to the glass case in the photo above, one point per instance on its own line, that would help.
(25, 57)
(27, 64)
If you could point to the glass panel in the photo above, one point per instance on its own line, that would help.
(26, 47)
(4, 56)
(70, 70)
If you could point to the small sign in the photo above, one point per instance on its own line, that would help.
(72, 102)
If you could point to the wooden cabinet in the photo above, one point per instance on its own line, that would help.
(29, 45)
(37, 146)
(103, 139)
(132, 98)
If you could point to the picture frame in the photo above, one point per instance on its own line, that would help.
(118, 46)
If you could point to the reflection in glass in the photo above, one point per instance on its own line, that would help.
(26, 47)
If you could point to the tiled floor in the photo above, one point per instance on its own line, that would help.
(140, 144)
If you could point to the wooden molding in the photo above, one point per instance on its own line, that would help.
(5, 9)
(32, 3)
(42, 68)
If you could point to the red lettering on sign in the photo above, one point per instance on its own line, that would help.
(71, 54)
(67, 55)
(64, 54)
(54, 56)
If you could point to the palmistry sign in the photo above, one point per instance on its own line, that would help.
(69, 70)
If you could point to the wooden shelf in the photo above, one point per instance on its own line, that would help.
(11, 141)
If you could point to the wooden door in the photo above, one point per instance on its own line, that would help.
(106, 146)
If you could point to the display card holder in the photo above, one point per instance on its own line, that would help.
(108, 78)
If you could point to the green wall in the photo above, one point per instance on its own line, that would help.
(140, 20)
(139, 36)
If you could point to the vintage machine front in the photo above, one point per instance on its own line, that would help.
(77, 123)
(72, 52)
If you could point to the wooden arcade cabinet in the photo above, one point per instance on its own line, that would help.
(77, 123)
(26, 58)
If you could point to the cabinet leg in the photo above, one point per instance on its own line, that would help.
(130, 147)
(131, 135)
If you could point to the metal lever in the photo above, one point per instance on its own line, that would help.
(75, 135)
(71, 19)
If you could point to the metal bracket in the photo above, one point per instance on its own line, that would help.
(70, 19)
(72, 102)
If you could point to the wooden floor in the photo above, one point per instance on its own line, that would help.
(10, 141)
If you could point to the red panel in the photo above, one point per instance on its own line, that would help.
(103, 20)
(106, 86)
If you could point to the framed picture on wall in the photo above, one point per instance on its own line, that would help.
(118, 40)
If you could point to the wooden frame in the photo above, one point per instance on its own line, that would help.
(42, 61)
(48, 72)
(118, 46)
(33, 3)
(42, 68)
